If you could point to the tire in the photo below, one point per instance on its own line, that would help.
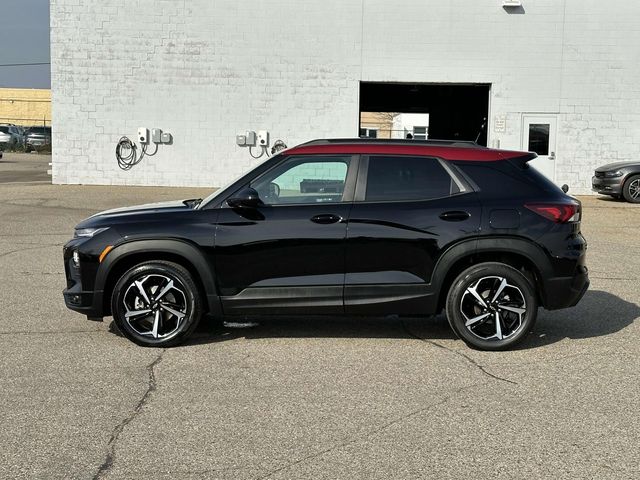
(167, 298)
(631, 189)
(471, 308)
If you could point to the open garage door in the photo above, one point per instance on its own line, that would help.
(444, 111)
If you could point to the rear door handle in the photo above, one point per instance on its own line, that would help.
(454, 216)
(326, 218)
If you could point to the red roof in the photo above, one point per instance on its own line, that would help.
(479, 154)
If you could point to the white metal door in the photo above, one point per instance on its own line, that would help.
(539, 135)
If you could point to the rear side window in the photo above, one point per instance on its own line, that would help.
(4, 129)
(407, 178)
(505, 178)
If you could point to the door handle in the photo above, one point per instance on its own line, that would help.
(326, 218)
(454, 216)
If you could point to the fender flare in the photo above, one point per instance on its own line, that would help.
(177, 247)
(503, 244)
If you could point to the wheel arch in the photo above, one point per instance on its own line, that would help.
(129, 254)
(517, 252)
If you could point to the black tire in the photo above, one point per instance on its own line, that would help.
(463, 306)
(163, 322)
(631, 189)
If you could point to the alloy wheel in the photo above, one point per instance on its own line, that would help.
(492, 308)
(634, 189)
(155, 306)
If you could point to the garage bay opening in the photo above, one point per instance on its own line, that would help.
(422, 111)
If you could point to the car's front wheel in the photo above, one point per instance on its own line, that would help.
(491, 306)
(631, 189)
(156, 304)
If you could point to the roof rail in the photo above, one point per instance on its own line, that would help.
(397, 141)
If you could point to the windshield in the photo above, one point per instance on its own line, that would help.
(222, 189)
(216, 193)
(43, 130)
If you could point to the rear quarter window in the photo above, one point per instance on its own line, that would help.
(504, 178)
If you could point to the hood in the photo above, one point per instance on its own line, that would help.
(112, 216)
(616, 166)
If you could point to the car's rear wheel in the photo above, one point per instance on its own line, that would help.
(491, 306)
(156, 304)
(631, 189)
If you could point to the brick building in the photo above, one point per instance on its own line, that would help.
(558, 76)
(25, 106)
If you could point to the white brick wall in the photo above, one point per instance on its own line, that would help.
(205, 70)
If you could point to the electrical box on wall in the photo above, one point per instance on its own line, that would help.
(143, 135)
(263, 138)
(156, 135)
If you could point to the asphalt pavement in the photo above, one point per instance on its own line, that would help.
(294, 398)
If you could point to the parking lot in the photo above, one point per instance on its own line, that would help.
(374, 398)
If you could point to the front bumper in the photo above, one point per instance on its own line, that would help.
(76, 297)
(607, 186)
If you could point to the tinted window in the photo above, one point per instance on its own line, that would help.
(4, 129)
(539, 138)
(407, 178)
(41, 130)
(304, 180)
(506, 179)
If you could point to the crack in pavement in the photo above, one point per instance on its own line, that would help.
(20, 250)
(110, 457)
(49, 332)
(370, 433)
(460, 354)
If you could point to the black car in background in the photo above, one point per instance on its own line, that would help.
(335, 227)
(618, 180)
(37, 138)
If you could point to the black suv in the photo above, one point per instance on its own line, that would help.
(334, 227)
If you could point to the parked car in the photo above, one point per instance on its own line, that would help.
(333, 227)
(38, 138)
(9, 136)
(618, 180)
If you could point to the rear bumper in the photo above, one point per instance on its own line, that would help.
(607, 186)
(565, 292)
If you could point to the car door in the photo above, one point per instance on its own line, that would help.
(407, 211)
(287, 254)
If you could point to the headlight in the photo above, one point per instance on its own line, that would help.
(617, 173)
(76, 259)
(88, 232)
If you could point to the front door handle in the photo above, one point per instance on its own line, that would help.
(326, 218)
(454, 216)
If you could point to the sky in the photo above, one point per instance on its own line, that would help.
(24, 38)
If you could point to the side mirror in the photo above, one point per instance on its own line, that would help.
(245, 198)
(565, 188)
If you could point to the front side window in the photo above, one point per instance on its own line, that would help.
(304, 180)
(407, 178)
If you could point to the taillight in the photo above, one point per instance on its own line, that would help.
(557, 212)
